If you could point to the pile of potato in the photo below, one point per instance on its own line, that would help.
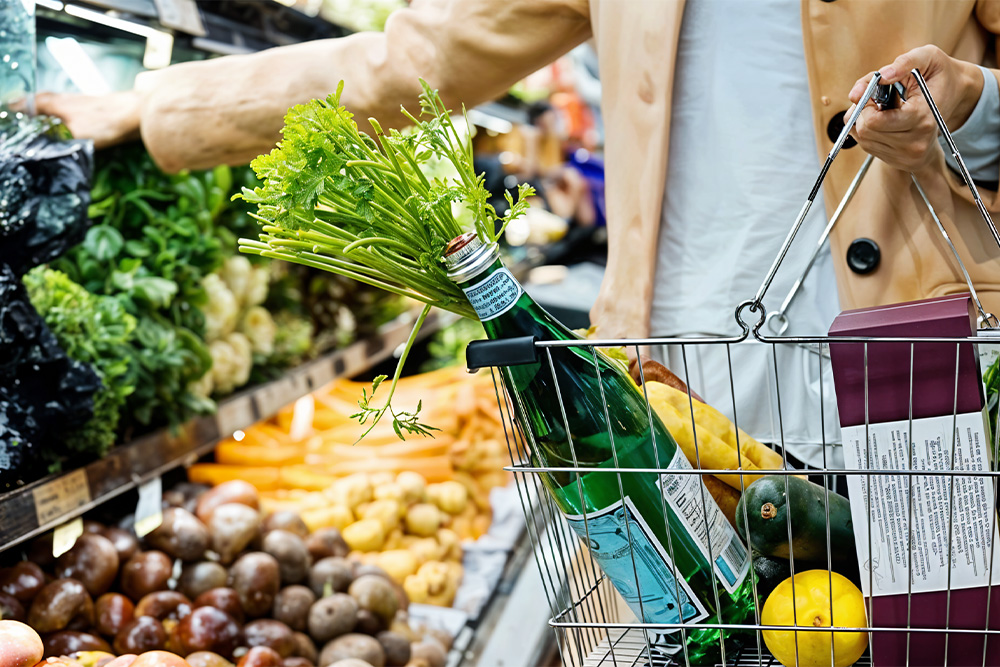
(219, 582)
(410, 529)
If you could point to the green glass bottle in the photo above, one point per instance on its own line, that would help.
(638, 526)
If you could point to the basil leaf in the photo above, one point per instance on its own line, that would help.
(103, 242)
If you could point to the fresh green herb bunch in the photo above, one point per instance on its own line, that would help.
(95, 330)
(337, 199)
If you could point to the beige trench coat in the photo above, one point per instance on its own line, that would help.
(229, 110)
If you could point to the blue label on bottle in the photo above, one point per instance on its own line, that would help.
(494, 295)
(637, 564)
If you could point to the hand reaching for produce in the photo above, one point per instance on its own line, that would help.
(107, 119)
(906, 138)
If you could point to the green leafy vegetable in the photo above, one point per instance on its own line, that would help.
(95, 330)
(336, 199)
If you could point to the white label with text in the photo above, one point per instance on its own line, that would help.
(495, 295)
(952, 515)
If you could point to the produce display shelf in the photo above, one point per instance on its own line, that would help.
(35, 508)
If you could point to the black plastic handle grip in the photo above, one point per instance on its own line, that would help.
(501, 352)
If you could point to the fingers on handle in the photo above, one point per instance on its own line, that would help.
(859, 88)
(918, 58)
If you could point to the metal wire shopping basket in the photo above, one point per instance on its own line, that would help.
(594, 629)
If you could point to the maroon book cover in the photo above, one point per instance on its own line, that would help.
(946, 377)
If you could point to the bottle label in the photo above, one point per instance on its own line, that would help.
(494, 295)
(705, 523)
(631, 556)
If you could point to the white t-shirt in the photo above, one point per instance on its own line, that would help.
(742, 161)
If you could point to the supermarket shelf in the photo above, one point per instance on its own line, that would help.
(40, 506)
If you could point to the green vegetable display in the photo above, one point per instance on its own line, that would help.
(153, 242)
(342, 201)
(95, 330)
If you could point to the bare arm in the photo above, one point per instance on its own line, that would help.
(230, 109)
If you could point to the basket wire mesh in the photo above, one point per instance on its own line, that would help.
(594, 628)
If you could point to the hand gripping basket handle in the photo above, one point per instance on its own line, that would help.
(756, 304)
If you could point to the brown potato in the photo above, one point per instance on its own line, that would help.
(145, 573)
(112, 612)
(332, 616)
(368, 623)
(22, 581)
(375, 594)
(11, 609)
(296, 661)
(330, 575)
(270, 633)
(286, 520)
(291, 607)
(20, 646)
(93, 561)
(181, 535)
(66, 642)
(208, 629)
(196, 578)
(396, 647)
(126, 544)
(290, 552)
(139, 635)
(59, 604)
(257, 578)
(234, 491)
(233, 527)
(163, 605)
(305, 647)
(357, 646)
(225, 599)
(326, 542)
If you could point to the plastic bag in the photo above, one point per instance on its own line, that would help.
(44, 191)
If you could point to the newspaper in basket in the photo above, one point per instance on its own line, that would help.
(593, 629)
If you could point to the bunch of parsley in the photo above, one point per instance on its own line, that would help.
(340, 200)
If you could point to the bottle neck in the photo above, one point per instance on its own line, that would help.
(494, 292)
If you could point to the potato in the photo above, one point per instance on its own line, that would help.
(20, 646)
(163, 605)
(235, 491)
(139, 635)
(270, 633)
(286, 520)
(291, 607)
(260, 656)
(328, 516)
(60, 603)
(422, 519)
(351, 662)
(256, 577)
(112, 611)
(296, 661)
(233, 527)
(414, 486)
(375, 594)
(368, 623)
(159, 659)
(11, 609)
(335, 573)
(290, 552)
(22, 581)
(353, 645)
(366, 535)
(196, 578)
(181, 535)
(449, 496)
(398, 563)
(146, 572)
(327, 542)
(93, 561)
(207, 659)
(305, 647)
(125, 543)
(386, 510)
(396, 648)
(350, 491)
(390, 491)
(66, 642)
(332, 616)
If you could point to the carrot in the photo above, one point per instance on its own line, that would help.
(238, 453)
(305, 477)
(433, 468)
(408, 449)
(213, 474)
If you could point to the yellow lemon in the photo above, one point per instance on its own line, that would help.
(813, 606)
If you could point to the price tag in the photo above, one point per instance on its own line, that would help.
(64, 537)
(61, 496)
(149, 511)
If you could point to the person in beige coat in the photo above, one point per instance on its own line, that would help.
(686, 245)
(230, 109)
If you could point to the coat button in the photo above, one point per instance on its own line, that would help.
(863, 256)
(836, 126)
